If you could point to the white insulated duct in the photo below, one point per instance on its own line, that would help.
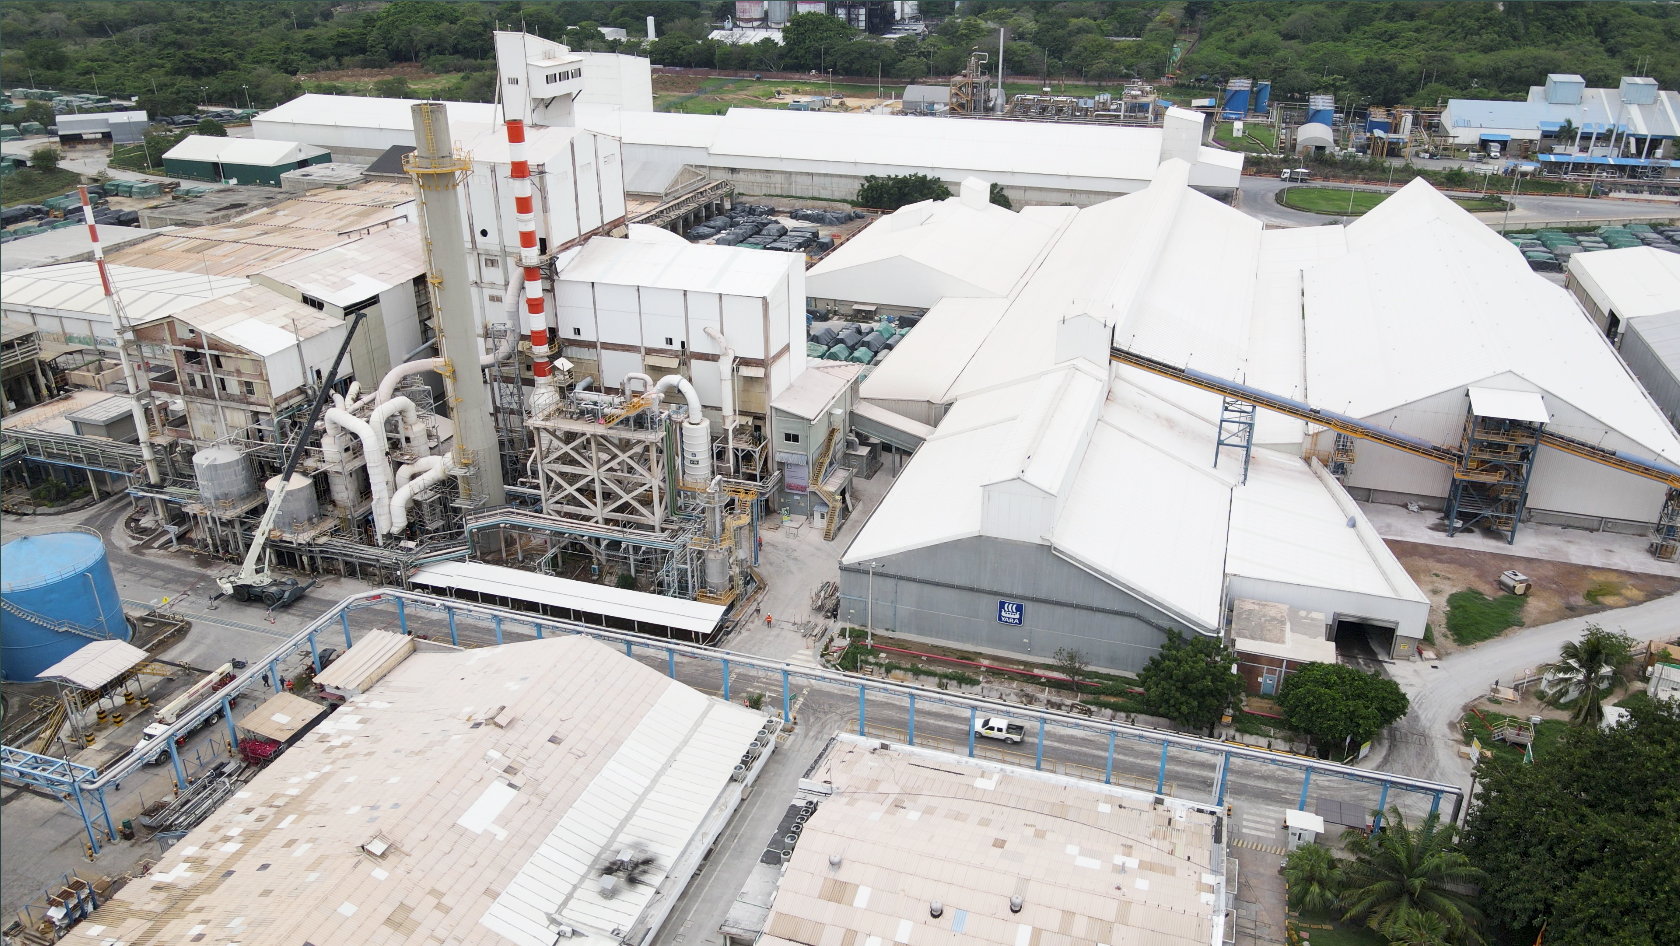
(413, 434)
(431, 471)
(696, 433)
(379, 469)
(647, 383)
(726, 379)
(388, 384)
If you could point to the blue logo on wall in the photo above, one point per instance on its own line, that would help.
(1011, 612)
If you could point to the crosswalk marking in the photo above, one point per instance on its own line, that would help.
(1268, 848)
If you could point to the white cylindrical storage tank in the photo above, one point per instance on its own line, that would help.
(717, 570)
(224, 476)
(298, 508)
(697, 452)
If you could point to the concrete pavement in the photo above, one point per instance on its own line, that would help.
(1257, 197)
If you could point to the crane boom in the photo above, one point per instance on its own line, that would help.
(249, 576)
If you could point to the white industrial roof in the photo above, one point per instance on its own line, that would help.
(1088, 157)
(1418, 203)
(934, 250)
(146, 294)
(697, 268)
(695, 617)
(96, 664)
(1369, 352)
(66, 244)
(258, 319)
(1634, 282)
(355, 111)
(281, 716)
(904, 827)
(497, 780)
(816, 388)
(934, 354)
(1508, 405)
(345, 275)
(254, 152)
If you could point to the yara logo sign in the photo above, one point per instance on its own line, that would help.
(1011, 612)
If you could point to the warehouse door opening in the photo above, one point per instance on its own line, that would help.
(1363, 643)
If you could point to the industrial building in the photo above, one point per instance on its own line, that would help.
(1633, 296)
(902, 844)
(21, 372)
(566, 791)
(65, 245)
(116, 127)
(1032, 428)
(1636, 120)
(66, 303)
(236, 160)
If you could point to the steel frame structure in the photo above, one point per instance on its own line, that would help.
(1490, 480)
(607, 474)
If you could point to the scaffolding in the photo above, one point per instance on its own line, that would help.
(1236, 429)
(1490, 480)
(507, 400)
(1666, 537)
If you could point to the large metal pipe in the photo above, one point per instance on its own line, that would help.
(437, 174)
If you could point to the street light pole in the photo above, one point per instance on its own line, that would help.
(869, 606)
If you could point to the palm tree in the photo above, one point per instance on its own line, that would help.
(1420, 929)
(1401, 875)
(1314, 876)
(1588, 667)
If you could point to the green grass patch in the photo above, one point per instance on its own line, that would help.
(1473, 616)
(1550, 731)
(1225, 135)
(30, 186)
(1339, 934)
(1339, 200)
(1599, 590)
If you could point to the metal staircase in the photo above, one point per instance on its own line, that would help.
(819, 470)
(1490, 480)
(63, 627)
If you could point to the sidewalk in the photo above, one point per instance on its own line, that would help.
(1534, 540)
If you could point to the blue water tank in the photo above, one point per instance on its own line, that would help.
(59, 597)
(1262, 98)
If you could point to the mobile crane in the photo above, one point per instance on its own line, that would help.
(254, 581)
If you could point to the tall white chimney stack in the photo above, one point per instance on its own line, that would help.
(651, 36)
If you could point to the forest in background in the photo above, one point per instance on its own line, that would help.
(175, 55)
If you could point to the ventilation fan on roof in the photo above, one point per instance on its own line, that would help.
(629, 867)
(379, 846)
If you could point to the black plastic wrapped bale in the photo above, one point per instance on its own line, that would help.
(874, 341)
(701, 233)
(775, 230)
(825, 336)
(727, 239)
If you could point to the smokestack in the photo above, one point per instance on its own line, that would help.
(651, 37)
(536, 313)
(437, 174)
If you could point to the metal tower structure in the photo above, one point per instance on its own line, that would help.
(1236, 429)
(1490, 480)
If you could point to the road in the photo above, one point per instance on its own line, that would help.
(1440, 690)
(1257, 197)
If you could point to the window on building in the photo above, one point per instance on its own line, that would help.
(193, 357)
(577, 331)
(492, 262)
(790, 438)
(250, 388)
(217, 361)
(222, 384)
(513, 80)
(669, 342)
(317, 376)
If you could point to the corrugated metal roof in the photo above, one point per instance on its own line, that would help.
(720, 269)
(348, 274)
(95, 664)
(476, 769)
(281, 716)
(1634, 282)
(816, 388)
(693, 616)
(258, 320)
(253, 152)
(146, 294)
(69, 244)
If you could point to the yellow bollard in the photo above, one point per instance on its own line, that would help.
(128, 696)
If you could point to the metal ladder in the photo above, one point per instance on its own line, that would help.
(64, 627)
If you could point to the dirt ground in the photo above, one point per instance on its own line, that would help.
(664, 82)
(1559, 589)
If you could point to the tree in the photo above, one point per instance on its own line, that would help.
(1585, 671)
(1401, 874)
(1314, 876)
(1337, 704)
(1582, 839)
(1073, 665)
(38, 112)
(1000, 198)
(1190, 681)
(211, 128)
(44, 158)
(897, 190)
(392, 87)
(812, 39)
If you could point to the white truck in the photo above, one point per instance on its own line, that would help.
(166, 717)
(996, 727)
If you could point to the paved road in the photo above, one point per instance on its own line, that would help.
(1257, 197)
(1440, 690)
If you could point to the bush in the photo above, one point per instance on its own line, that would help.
(898, 190)
(211, 128)
(1000, 198)
(626, 581)
(45, 158)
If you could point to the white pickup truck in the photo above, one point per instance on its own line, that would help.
(996, 727)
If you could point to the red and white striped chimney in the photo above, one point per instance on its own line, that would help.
(536, 315)
(130, 378)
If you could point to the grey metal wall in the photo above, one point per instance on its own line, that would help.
(1642, 344)
(951, 592)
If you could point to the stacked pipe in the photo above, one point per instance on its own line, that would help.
(536, 316)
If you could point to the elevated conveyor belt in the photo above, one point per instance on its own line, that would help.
(1659, 470)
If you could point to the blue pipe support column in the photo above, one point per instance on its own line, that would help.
(175, 760)
(1039, 763)
(726, 681)
(671, 662)
(1306, 783)
(1435, 805)
(402, 616)
(537, 626)
(498, 620)
(1382, 806)
(87, 822)
(911, 732)
(1108, 769)
(227, 717)
(454, 637)
(105, 811)
(344, 619)
(274, 675)
(627, 646)
(1161, 774)
(1224, 775)
(314, 652)
(860, 709)
(787, 698)
(971, 721)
